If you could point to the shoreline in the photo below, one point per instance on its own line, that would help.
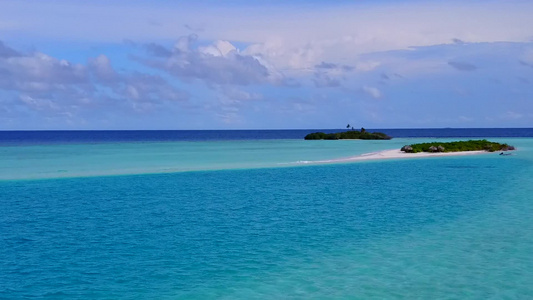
(395, 154)
(370, 156)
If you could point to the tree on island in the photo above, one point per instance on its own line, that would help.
(352, 135)
(471, 145)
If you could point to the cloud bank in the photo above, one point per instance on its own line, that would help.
(265, 64)
(218, 63)
(58, 88)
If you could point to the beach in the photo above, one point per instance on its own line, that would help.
(397, 154)
(388, 154)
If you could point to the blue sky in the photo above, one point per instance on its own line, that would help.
(265, 64)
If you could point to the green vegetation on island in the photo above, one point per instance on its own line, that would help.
(348, 135)
(471, 145)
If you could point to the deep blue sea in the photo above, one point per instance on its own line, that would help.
(258, 215)
(113, 136)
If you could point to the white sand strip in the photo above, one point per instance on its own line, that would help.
(394, 154)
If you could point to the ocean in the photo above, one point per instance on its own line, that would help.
(262, 215)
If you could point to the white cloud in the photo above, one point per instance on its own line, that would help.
(184, 43)
(237, 94)
(38, 78)
(330, 74)
(56, 86)
(38, 104)
(366, 66)
(219, 63)
(132, 92)
(102, 68)
(323, 79)
(376, 49)
(372, 92)
(218, 48)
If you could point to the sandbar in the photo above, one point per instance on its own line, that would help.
(395, 154)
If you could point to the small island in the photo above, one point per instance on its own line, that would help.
(348, 135)
(458, 146)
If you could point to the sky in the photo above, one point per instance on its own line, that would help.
(275, 64)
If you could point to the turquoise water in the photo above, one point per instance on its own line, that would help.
(68, 160)
(77, 160)
(254, 222)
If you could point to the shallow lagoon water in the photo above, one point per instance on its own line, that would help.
(69, 160)
(437, 228)
(99, 159)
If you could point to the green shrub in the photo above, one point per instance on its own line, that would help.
(471, 145)
(351, 134)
